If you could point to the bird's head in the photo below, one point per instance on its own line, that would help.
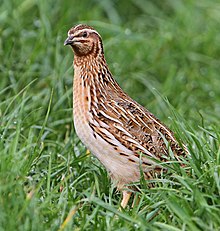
(84, 40)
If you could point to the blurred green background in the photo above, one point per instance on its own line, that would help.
(164, 54)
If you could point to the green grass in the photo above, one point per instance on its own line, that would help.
(165, 54)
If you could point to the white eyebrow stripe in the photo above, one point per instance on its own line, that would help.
(88, 30)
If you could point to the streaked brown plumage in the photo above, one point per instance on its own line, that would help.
(115, 128)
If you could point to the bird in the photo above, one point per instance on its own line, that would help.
(125, 137)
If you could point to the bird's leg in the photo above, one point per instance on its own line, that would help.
(125, 198)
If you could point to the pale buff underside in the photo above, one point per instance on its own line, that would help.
(121, 170)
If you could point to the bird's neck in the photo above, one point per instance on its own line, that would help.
(89, 61)
(92, 75)
(92, 69)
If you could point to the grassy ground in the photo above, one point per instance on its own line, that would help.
(165, 54)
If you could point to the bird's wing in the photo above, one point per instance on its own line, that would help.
(131, 127)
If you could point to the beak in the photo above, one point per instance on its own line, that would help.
(69, 41)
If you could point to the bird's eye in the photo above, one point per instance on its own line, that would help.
(85, 34)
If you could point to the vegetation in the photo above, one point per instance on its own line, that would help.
(165, 54)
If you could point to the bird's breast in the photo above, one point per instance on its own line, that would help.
(116, 164)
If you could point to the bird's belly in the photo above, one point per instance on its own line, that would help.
(121, 169)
